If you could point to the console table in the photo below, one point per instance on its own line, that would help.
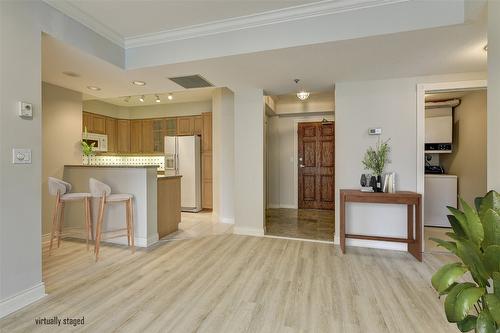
(410, 199)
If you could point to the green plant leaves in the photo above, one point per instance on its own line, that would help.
(473, 259)
(447, 275)
(492, 258)
(490, 201)
(484, 323)
(468, 324)
(496, 283)
(491, 225)
(493, 303)
(450, 246)
(470, 223)
(460, 300)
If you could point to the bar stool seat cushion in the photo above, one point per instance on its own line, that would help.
(119, 197)
(75, 196)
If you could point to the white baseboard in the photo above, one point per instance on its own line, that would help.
(22, 299)
(377, 244)
(289, 206)
(275, 206)
(248, 231)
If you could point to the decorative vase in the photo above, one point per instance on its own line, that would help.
(363, 180)
(86, 159)
(373, 183)
(379, 183)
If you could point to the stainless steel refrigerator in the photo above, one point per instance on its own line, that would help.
(183, 157)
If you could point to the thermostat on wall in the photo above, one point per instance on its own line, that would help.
(25, 110)
(374, 131)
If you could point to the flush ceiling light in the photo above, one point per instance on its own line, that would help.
(141, 98)
(158, 99)
(71, 74)
(127, 99)
(302, 94)
(170, 97)
(94, 88)
(139, 83)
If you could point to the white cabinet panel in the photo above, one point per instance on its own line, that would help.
(440, 191)
(439, 129)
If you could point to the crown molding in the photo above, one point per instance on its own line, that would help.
(87, 20)
(300, 12)
(295, 13)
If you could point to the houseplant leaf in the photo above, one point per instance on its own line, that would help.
(490, 201)
(468, 324)
(460, 300)
(496, 283)
(455, 225)
(493, 303)
(473, 229)
(491, 225)
(492, 258)
(474, 223)
(473, 259)
(450, 246)
(447, 275)
(484, 323)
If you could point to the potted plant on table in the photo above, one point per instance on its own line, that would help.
(87, 149)
(375, 160)
(476, 241)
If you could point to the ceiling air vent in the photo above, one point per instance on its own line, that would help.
(191, 81)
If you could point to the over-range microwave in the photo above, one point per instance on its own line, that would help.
(100, 141)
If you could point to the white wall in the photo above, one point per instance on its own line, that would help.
(22, 23)
(148, 111)
(391, 105)
(282, 164)
(223, 155)
(493, 174)
(249, 161)
(61, 136)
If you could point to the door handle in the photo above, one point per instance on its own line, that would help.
(302, 166)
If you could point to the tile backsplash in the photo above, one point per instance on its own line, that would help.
(127, 160)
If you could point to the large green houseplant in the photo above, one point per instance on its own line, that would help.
(476, 241)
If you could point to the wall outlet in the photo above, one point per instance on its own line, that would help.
(25, 110)
(374, 131)
(21, 156)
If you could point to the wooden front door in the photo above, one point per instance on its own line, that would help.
(316, 154)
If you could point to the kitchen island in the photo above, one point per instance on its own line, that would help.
(144, 184)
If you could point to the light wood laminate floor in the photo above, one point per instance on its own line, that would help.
(232, 283)
(313, 224)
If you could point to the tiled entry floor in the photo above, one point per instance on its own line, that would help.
(301, 223)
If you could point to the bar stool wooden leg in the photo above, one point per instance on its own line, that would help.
(91, 219)
(54, 222)
(127, 220)
(99, 227)
(61, 222)
(86, 213)
(131, 208)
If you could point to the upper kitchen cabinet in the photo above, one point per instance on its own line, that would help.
(206, 135)
(123, 135)
(171, 125)
(94, 123)
(136, 136)
(198, 125)
(185, 125)
(148, 136)
(439, 125)
(111, 133)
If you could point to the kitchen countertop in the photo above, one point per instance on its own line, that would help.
(440, 175)
(168, 177)
(111, 166)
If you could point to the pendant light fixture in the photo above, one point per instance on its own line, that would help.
(170, 97)
(302, 94)
(141, 98)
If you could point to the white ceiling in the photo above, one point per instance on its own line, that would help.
(445, 50)
(191, 95)
(133, 18)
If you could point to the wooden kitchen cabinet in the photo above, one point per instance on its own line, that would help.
(171, 126)
(147, 136)
(87, 122)
(206, 135)
(111, 133)
(98, 124)
(198, 125)
(206, 161)
(185, 126)
(123, 135)
(136, 136)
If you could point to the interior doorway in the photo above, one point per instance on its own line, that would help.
(311, 216)
(456, 115)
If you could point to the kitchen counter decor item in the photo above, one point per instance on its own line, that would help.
(375, 160)
(87, 149)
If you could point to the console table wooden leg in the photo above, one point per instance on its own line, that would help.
(415, 248)
(342, 223)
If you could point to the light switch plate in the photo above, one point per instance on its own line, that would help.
(375, 131)
(21, 156)
(25, 110)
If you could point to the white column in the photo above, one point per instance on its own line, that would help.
(223, 155)
(249, 161)
(493, 173)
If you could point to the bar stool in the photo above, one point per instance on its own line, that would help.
(60, 189)
(103, 191)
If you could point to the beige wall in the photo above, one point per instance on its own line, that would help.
(148, 111)
(468, 160)
(317, 102)
(61, 135)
